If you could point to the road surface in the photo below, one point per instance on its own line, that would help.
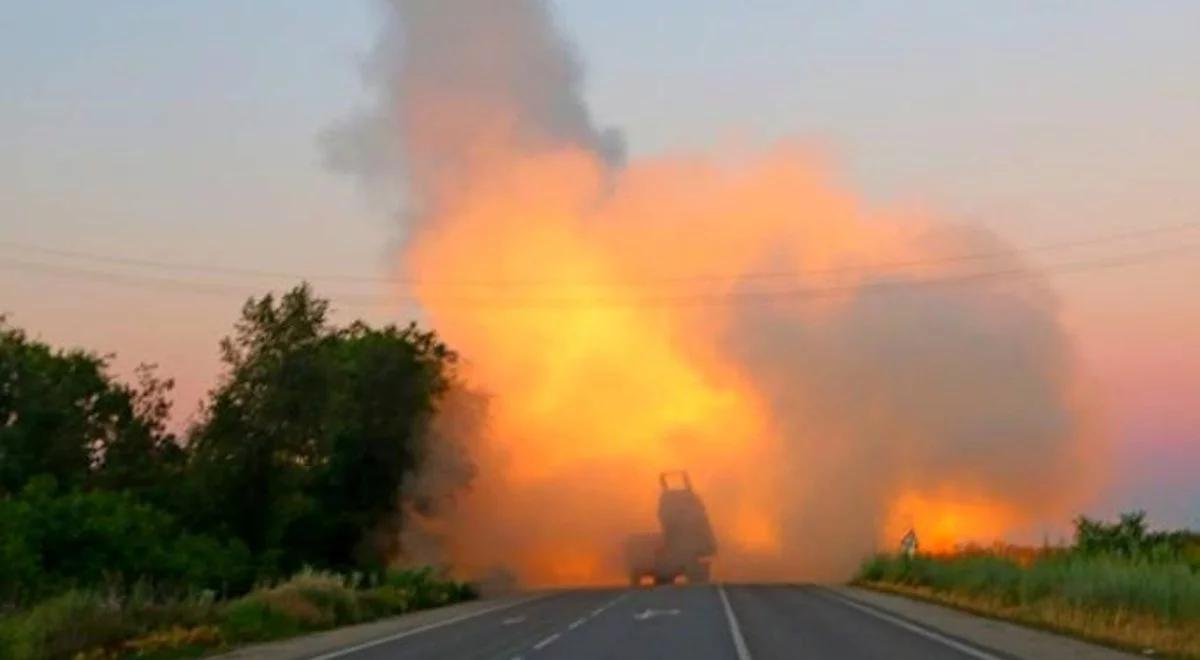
(700, 622)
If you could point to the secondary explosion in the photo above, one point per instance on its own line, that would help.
(829, 374)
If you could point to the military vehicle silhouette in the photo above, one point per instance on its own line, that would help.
(684, 546)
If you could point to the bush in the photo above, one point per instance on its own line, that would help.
(310, 600)
(333, 595)
(52, 541)
(152, 612)
(252, 619)
(66, 625)
(144, 622)
(425, 590)
(174, 641)
(79, 621)
(384, 601)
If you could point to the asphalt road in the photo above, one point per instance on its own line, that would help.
(701, 623)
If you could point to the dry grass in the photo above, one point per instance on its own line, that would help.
(1132, 631)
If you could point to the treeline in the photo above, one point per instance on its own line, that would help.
(299, 457)
(1130, 538)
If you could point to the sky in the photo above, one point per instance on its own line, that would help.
(186, 133)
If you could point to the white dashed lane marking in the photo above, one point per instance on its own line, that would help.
(546, 642)
(576, 623)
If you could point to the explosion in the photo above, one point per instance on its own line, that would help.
(733, 315)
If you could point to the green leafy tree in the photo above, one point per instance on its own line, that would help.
(1126, 537)
(261, 427)
(386, 384)
(1130, 538)
(56, 540)
(63, 415)
(304, 447)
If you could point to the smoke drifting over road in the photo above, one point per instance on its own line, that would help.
(710, 313)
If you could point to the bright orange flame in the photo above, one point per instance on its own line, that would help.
(580, 298)
(757, 532)
(947, 522)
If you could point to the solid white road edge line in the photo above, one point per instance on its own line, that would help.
(924, 632)
(420, 629)
(739, 642)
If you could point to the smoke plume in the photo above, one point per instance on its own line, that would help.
(454, 78)
(827, 375)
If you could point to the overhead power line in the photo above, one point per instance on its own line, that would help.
(872, 287)
(185, 266)
(646, 280)
(163, 283)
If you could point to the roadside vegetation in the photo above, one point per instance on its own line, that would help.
(1117, 584)
(277, 511)
(141, 624)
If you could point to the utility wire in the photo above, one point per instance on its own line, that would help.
(704, 299)
(184, 266)
(644, 281)
(166, 283)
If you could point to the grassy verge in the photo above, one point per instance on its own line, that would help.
(92, 626)
(1128, 603)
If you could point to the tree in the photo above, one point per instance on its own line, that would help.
(63, 415)
(146, 459)
(1130, 538)
(52, 540)
(261, 425)
(304, 447)
(386, 385)
(1125, 537)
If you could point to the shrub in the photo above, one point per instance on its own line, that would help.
(147, 623)
(384, 601)
(252, 619)
(174, 640)
(66, 625)
(334, 595)
(52, 541)
(425, 590)
(310, 600)
(873, 569)
(152, 612)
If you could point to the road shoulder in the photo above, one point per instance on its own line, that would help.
(1008, 638)
(323, 644)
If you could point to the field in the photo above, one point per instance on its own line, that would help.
(1124, 588)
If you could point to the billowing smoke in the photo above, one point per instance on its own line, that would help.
(452, 78)
(829, 373)
(953, 409)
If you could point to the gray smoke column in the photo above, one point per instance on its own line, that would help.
(455, 77)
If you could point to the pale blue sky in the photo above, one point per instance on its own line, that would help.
(185, 131)
(1004, 111)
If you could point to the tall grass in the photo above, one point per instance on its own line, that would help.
(1170, 590)
(1136, 602)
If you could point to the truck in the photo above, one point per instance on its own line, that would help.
(683, 547)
